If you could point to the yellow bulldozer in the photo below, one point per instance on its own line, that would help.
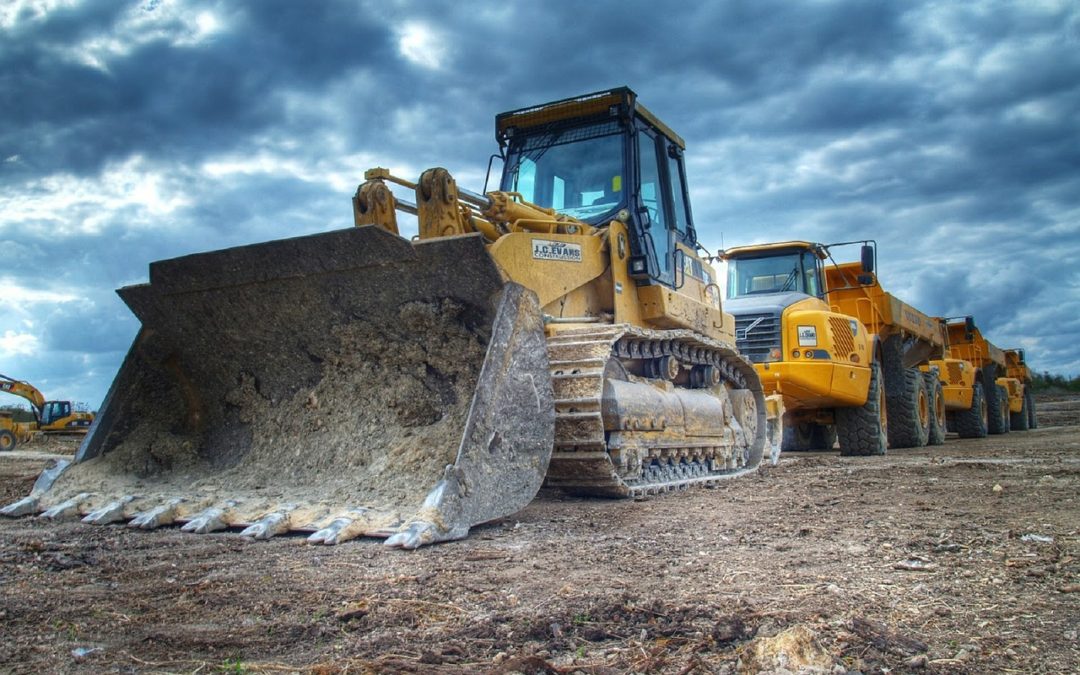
(50, 417)
(562, 330)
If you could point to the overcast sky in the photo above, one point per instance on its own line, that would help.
(130, 132)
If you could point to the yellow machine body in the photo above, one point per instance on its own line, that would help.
(823, 359)
(957, 378)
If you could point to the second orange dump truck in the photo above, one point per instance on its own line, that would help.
(855, 364)
(986, 389)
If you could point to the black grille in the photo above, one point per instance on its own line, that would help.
(756, 334)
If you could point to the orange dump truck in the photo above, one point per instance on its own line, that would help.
(844, 354)
(1022, 417)
(985, 388)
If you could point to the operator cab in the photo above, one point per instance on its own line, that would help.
(55, 410)
(792, 267)
(603, 157)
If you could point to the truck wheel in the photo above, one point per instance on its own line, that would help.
(1003, 410)
(864, 430)
(909, 412)
(1033, 420)
(1020, 421)
(7, 441)
(972, 423)
(796, 438)
(997, 423)
(892, 367)
(824, 436)
(937, 409)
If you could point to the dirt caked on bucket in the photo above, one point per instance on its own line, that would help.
(343, 384)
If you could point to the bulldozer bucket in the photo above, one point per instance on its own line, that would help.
(341, 384)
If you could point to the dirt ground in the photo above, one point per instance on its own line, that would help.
(960, 558)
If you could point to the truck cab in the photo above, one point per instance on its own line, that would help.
(816, 357)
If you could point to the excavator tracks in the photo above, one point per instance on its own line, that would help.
(640, 412)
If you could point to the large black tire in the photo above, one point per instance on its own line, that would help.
(1033, 419)
(1003, 409)
(1021, 421)
(893, 372)
(7, 441)
(972, 423)
(937, 408)
(864, 430)
(996, 403)
(795, 439)
(808, 436)
(909, 412)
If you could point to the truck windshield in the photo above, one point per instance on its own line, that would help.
(576, 171)
(783, 273)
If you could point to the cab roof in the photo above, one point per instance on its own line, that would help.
(754, 250)
(609, 101)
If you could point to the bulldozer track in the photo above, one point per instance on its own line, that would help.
(633, 457)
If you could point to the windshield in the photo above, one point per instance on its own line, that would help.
(793, 272)
(576, 171)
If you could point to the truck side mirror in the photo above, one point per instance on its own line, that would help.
(867, 256)
(969, 327)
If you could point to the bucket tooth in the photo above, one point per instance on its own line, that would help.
(31, 503)
(210, 520)
(270, 525)
(24, 507)
(113, 512)
(343, 528)
(421, 532)
(66, 508)
(151, 519)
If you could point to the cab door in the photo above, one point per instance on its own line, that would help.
(654, 207)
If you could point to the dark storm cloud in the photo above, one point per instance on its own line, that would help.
(163, 99)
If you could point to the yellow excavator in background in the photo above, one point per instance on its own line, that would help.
(560, 330)
(51, 417)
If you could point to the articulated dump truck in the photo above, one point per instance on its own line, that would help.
(986, 388)
(844, 354)
(562, 330)
(1017, 381)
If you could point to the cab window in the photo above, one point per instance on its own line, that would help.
(680, 217)
(652, 198)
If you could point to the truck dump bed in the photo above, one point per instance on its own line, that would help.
(883, 313)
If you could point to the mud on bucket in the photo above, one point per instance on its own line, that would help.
(343, 384)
